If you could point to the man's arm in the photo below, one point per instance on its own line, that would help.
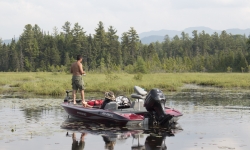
(80, 68)
(71, 70)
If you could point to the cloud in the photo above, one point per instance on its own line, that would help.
(195, 4)
(143, 15)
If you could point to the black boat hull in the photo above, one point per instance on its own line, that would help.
(120, 117)
(100, 115)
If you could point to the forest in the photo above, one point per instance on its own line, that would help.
(40, 51)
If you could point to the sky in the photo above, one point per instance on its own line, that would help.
(143, 15)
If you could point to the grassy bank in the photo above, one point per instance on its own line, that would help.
(47, 83)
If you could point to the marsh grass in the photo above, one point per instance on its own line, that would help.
(47, 83)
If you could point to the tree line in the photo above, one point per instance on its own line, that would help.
(37, 50)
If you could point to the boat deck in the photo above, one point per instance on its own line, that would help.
(131, 110)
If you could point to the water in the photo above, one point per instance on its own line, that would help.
(42, 124)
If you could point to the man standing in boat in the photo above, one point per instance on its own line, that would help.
(77, 82)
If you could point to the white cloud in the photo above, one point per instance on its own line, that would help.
(143, 15)
(187, 4)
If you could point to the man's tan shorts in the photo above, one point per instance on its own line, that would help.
(77, 83)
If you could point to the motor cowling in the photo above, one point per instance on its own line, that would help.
(154, 107)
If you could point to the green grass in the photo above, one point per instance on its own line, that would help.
(47, 83)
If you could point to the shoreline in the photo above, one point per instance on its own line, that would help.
(174, 85)
(188, 91)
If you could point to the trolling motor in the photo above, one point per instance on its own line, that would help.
(156, 113)
(67, 98)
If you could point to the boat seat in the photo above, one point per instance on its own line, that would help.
(136, 96)
(140, 91)
(111, 106)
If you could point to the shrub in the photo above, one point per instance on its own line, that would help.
(229, 69)
(138, 76)
(129, 69)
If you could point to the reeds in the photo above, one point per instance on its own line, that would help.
(47, 83)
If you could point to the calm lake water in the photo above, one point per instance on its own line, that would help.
(42, 124)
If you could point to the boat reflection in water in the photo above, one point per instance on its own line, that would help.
(111, 135)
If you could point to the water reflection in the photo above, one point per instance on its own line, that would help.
(208, 124)
(109, 142)
(113, 135)
(78, 145)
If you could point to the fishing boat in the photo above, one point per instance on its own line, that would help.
(147, 108)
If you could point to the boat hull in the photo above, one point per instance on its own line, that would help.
(120, 117)
(100, 115)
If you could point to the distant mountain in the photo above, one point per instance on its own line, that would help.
(200, 29)
(239, 31)
(8, 41)
(153, 36)
(149, 39)
(171, 33)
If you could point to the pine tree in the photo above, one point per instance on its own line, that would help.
(140, 65)
(13, 61)
(92, 51)
(100, 43)
(196, 49)
(78, 39)
(113, 47)
(30, 47)
(165, 47)
(133, 45)
(125, 48)
(4, 57)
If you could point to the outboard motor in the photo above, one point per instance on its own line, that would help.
(154, 107)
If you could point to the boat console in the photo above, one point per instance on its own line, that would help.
(111, 106)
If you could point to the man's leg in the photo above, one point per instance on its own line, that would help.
(83, 100)
(82, 95)
(74, 96)
(73, 136)
(84, 103)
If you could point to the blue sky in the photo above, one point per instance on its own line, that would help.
(143, 15)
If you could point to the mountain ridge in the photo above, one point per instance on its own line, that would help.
(158, 35)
